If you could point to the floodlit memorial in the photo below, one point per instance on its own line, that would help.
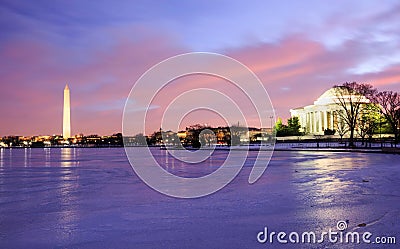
(323, 113)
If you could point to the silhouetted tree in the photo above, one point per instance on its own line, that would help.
(341, 128)
(389, 103)
(351, 97)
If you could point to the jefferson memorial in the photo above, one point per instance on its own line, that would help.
(322, 115)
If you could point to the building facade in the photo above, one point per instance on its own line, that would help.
(322, 115)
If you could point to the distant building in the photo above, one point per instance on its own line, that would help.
(323, 114)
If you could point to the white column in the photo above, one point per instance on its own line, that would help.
(321, 121)
(312, 122)
(326, 126)
(305, 121)
(315, 114)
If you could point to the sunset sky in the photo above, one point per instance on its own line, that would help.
(298, 49)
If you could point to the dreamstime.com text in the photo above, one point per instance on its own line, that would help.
(333, 236)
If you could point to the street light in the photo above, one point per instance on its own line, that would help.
(272, 130)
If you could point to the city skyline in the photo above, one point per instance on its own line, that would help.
(48, 44)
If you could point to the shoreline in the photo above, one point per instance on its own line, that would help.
(380, 150)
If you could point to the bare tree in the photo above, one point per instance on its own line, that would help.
(341, 128)
(351, 97)
(368, 121)
(389, 102)
(363, 127)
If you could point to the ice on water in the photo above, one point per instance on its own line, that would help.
(91, 198)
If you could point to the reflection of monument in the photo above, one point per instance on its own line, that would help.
(66, 114)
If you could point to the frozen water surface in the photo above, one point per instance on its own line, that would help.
(91, 198)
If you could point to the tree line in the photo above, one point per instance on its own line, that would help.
(362, 117)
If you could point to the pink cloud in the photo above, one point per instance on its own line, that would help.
(298, 70)
(388, 78)
(34, 74)
(295, 71)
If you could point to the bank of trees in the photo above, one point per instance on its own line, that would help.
(389, 103)
(291, 129)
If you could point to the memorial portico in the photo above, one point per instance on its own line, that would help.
(322, 115)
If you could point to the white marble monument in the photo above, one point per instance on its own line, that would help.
(66, 114)
(322, 115)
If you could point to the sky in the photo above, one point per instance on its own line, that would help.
(298, 49)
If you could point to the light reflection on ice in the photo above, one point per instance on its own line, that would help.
(68, 157)
(68, 184)
(324, 173)
(27, 156)
(47, 159)
(1, 157)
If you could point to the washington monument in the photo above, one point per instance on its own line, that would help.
(67, 114)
